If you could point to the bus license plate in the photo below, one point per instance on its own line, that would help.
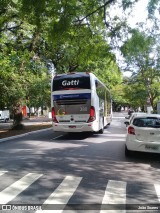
(72, 126)
(151, 147)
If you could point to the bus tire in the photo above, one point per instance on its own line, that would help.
(107, 126)
(102, 129)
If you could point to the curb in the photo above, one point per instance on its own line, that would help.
(22, 135)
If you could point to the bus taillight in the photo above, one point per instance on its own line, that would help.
(54, 119)
(92, 116)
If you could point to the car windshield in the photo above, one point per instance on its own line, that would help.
(147, 122)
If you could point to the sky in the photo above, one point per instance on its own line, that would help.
(139, 13)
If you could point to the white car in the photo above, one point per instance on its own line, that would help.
(130, 117)
(143, 134)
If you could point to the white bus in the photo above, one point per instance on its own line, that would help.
(80, 103)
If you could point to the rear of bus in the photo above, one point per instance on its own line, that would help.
(72, 103)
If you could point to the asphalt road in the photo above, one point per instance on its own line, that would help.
(60, 168)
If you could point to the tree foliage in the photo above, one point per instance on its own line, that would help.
(139, 52)
(70, 35)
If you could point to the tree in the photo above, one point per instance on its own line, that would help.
(73, 35)
(146, 71)
(118, 97)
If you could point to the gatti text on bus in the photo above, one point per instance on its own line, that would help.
(80, 103)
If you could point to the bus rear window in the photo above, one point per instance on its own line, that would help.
(71, 82)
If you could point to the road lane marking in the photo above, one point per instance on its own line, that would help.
(57, 137)
(157, 188)
(63, 193)
(3, 172)
(16, 188)
(115, 194)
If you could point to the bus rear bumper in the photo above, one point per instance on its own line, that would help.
(87, 127)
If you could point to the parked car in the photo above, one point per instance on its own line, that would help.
(129, 118)
(143, 134)
(4, 115)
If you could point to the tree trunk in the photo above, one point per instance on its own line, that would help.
(17, 117)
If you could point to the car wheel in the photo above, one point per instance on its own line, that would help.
(127, 152)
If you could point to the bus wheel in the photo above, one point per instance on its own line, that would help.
(102, 129)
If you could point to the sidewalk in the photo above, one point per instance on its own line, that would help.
(30, 125)
(34, 120)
